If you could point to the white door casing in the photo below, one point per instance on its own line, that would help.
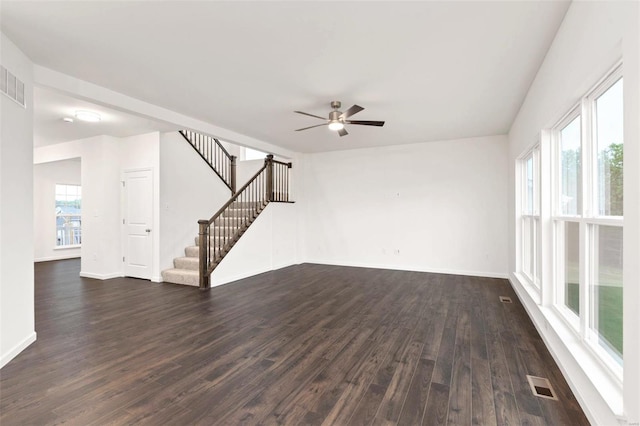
(138, 223)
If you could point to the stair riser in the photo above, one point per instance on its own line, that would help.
(176, 277)
(192, 251)
(190, 263)
(225, 233)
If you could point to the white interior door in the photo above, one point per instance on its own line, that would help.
(137, 222)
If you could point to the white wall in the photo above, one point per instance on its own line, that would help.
(143, 152)
(101, 242)
(269, 243)
(45, 178)
(103, 160)
(190, 191)
(592, 37)
(437, 206)
(246, 169)
(17, 325)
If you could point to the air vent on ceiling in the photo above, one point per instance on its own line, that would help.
(11, 86)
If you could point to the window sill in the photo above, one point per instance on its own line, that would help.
(67, 247)
(574, 356)
(532, 290)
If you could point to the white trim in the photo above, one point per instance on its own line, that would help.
(599, 394)
(483, 274)
(155, 227)
(156, 279)
(13, 352)
(101, 276)
(58, 257)
(74, 246)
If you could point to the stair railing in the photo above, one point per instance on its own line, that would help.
(215, 155)
(218, 235)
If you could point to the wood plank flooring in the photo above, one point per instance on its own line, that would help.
(309, 344)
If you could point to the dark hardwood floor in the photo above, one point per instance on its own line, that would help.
(309, 344)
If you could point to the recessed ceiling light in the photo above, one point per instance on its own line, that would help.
(67, 119)
(90, 116)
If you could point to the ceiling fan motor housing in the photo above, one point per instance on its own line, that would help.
(334, 115)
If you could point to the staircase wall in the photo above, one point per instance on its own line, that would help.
(190, 191)
(271, 242)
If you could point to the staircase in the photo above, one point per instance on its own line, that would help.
(226, 232)
(218, 235)
(215, 155)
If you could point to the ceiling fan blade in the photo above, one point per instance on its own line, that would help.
(343, 132)
(310, 115)
(311, 127)
(366, 123)
(351, 111)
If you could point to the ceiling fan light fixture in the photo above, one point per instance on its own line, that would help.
(336, 125)
(89, 116)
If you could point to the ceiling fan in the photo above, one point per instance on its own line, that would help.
(338, 119)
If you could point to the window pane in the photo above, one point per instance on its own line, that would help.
(253, 154)
(68, 211)
(527, 252)
(607, 289)
(570, 174)
(571, 257)
(529, 185)
(609, 144)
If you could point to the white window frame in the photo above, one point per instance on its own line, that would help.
(68, 215)
(588, 220)
(530, 215)
(558, 219)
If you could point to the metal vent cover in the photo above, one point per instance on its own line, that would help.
(505, 299)
(12, 86)
(541, 387)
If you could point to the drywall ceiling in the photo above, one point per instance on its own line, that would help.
(432, 70)
(50, 107)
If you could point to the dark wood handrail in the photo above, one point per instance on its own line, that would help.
(225, 168)
(234, 197)
(218, 234)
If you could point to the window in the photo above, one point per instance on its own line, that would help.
(568, 211)
(68, 210)
(588, 218)
(530, 217)
(252, 154)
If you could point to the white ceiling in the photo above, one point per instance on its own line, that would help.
(50, 107)
(432, 70)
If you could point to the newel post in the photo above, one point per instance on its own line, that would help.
(233, 174)
(203, 244)
(269, 163)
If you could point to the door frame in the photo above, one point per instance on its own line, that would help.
(123, 209)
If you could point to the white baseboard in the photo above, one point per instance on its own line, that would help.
(157, 279)
(101, 276)
(13, 352)
(57, 257)
(412, 268)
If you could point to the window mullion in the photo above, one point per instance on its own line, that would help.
(586, 209)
